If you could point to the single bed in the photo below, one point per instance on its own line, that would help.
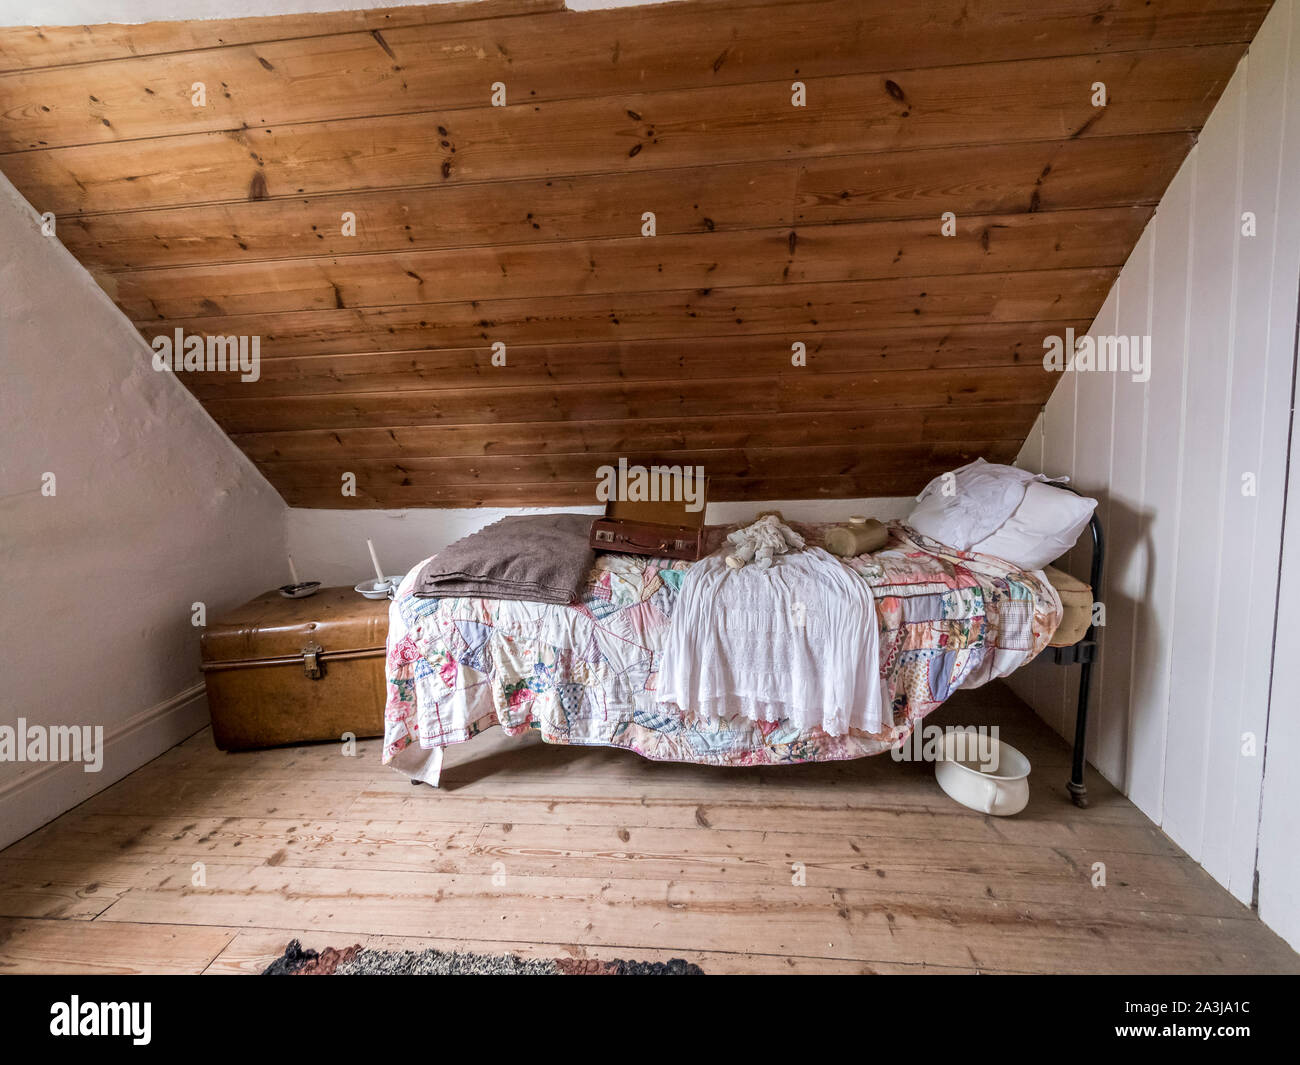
(585, 673)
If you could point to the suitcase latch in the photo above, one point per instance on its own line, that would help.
(311, 666)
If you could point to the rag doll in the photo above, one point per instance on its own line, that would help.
(762, 541)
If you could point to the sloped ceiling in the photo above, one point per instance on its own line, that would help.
(476, 224)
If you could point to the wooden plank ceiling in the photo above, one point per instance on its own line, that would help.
(522, 224)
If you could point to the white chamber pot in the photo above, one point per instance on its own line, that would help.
(1002, 791)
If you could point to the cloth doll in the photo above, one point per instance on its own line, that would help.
(761, 542)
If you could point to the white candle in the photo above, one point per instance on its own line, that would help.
(292, 571)
(379, 573)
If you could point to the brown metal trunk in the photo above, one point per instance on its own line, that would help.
(282, 671)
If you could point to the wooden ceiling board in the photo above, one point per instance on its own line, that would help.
(540, 365)
(1151, 92)
(627, 401)
(775, 224)
(24, 48)
(847, 252)
(561, 56)
(792, 311)
(944, 424)
(887, 186)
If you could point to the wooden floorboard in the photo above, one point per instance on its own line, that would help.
(102, 949)
(209, 862)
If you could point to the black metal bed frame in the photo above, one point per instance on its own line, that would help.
(1083, 654)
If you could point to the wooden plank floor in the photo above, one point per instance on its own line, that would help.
(549, 851)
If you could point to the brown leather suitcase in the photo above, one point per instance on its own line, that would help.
(661, 528)
(282, 671)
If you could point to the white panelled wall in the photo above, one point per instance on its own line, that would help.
(1191, 582)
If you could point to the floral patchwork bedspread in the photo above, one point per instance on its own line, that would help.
(585, 673)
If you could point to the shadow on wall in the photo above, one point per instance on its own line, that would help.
(1129, 674)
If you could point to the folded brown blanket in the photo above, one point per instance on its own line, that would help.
(544, 558)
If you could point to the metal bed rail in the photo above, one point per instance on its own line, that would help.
(1083, 654)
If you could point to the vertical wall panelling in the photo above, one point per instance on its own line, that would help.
(1162, 502)
(1209, 356)
(1279, 817)
(1253, 494)
(1279, 822)
(1122, 581)
(1242, 401)
(1094, 405)
(1191, 472)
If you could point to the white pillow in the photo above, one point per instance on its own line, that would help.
(981, 496)
(1043, 528)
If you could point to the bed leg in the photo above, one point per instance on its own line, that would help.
(1080, 654)
(1088, 648)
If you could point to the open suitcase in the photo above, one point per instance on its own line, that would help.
(661, 528)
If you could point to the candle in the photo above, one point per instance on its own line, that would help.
(380, 579)
(292, 571)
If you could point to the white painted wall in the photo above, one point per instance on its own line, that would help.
(1191, 579)
(1279, 827)
(330, 545)
(155, 509)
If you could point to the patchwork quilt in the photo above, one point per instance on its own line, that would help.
(586, 673)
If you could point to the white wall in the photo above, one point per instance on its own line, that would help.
(1279, 827)
(1191, 578)
(330, 545)
(154, 509)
